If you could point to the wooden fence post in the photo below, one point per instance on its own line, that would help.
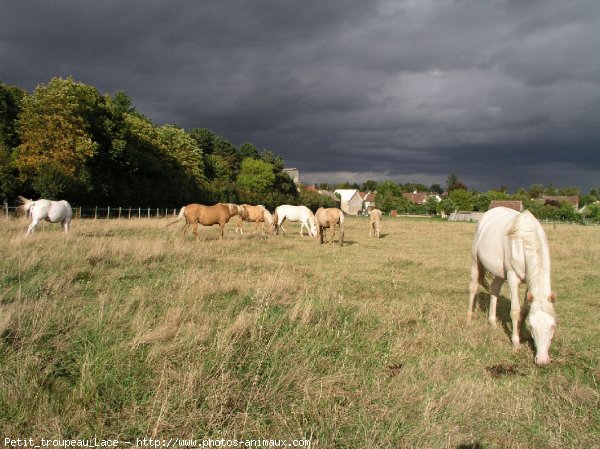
(6, 208)
(148, 212)
(108, 212)
(139, 212)
(119, 211)
(129, 212)
(96, 213)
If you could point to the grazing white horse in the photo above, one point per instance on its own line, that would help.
(512, 246)
(51, 211)
(295, 213)
(268, 217)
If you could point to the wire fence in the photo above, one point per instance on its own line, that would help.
(110, 212)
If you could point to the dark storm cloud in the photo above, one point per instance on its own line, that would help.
(502, 92)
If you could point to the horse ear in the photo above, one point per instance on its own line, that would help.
(529, 297)
(552, 297)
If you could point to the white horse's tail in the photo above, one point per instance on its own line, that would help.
(275, 224)
(179, 217)
(342, 218)
(25, 204)
(313, 231)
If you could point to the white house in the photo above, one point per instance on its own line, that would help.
(351, 202)
(368, 200)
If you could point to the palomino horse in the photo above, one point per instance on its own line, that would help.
(294, 213)
(375, 224)
(195, 214)
(512, 246)
(51, 211)
(254, 214)
(328, 218)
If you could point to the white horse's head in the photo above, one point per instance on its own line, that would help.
(541, 322)
(313, 226)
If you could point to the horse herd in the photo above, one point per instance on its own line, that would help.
(316, 224)
(508, 246)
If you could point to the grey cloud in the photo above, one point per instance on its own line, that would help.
(500, 92)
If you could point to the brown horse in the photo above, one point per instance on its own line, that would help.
(220, 214)
(255, 214)
(375, 225)
(328, 218)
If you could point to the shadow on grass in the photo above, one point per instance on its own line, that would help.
(503, 316)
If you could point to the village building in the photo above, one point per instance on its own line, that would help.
(416, 197)
(420, 197)
(511, 204)
(350, 201)
(293, 173)
(556, 200)
(368, 199)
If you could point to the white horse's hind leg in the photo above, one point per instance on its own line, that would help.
(32, 226)
(473, 290)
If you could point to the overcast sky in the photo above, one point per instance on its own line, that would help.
(497, 92)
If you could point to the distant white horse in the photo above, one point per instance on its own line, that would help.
(51, 211)
(295, 213)
(512, 246)
(268, 217)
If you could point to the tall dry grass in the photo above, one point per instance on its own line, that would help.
(127, 330)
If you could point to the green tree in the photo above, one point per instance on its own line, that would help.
(536, 190)
(447, 206)
(389, 187)
(247, 150)
(569, 191)
(55, 130)
(436, 188)
(550, 189)
(11, 99)
(255, 176)
(462, 199)
(271, 158)
(313, 200)
(369, 186)
(454, 183)
(183, 149)
(9, 180)
(431, 205)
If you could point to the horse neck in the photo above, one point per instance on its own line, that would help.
(537, 262)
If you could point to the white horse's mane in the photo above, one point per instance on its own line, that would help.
(527, 230)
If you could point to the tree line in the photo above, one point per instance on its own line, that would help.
(66, 140)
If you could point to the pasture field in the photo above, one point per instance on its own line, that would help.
(126, 330)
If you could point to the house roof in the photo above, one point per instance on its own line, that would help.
(368, 196)
(572, 200)
(329, 194)
(511, 204)
(346, 194)
(417, 198)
